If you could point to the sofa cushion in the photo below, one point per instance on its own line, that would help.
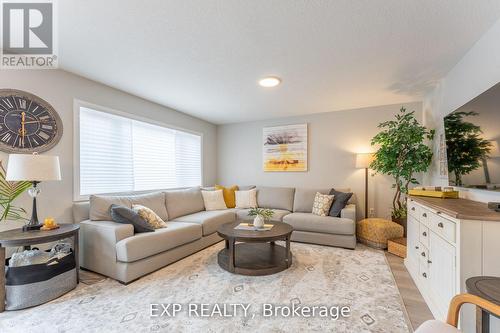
(242, 214)
(184, 202)
(147, 244)
(321, 224)
(100, 204)
(275, 197)
(209, 220)
(304, 198)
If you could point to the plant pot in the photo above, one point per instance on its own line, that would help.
(401, 221)
(258, 222)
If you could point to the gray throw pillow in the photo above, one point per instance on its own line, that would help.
(340, 200)
(125, 215)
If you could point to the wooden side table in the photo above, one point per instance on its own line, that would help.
(487, 287)
(18, 237)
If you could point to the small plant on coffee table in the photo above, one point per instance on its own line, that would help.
(265, 213)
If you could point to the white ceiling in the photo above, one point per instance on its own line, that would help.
(204, 57)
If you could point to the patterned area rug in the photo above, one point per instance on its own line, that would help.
(319, 276)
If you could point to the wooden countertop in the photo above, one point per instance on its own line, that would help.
(462, 209)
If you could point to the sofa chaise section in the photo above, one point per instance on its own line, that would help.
(324, 230)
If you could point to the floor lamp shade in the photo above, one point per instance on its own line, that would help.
(35, 168)
(363, 161)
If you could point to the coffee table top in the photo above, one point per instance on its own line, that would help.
(278, 231)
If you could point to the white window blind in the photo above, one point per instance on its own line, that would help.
(119, 154)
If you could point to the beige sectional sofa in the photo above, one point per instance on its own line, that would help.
(112, 249)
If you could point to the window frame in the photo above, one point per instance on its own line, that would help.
(77, 104)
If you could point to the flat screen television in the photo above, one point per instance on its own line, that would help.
(472, 135)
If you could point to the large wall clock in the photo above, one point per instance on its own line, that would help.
(27, 123)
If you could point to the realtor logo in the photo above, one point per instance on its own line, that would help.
(28, 35)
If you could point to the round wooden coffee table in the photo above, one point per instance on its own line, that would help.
(256, 252)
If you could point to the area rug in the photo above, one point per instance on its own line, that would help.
(320, 277)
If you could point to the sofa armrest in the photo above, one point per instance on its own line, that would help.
(98, 244)
(349, 212)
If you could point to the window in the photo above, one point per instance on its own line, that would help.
(120, 154)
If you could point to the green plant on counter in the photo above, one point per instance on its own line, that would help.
(402, 153)
(464, 145)
(266, 214)
(9, 191)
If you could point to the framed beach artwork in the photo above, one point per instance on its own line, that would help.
(285, 148)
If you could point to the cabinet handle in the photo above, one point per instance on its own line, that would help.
(424, 234)
(413, 208)
(441, 225)
(424, 215)
(416, 247)
(439, 213)
(423, 254)
(424, 275)
(429, 261)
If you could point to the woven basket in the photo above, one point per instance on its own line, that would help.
(397, 247)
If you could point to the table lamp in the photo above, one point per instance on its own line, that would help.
(34, 168)
(363, 161)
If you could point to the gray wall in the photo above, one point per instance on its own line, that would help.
(334, 138)
(60, 88)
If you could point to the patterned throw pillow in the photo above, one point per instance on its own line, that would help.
(213, 200)
(149, 216)
(322, 204)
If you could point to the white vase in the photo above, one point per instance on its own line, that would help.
(258, 222)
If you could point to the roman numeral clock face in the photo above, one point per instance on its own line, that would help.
(27, 123)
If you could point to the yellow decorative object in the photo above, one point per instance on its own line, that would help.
(435, 194)
(49, 223)
(229, 195)
(375, 232)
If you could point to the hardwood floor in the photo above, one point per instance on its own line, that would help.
(418, 312)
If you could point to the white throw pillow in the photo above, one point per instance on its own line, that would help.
(322, 204)
(246, 199)
(214, 200)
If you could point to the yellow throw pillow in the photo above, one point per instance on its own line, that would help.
(229, 195)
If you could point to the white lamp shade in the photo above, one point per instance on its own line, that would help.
(33, 167)
(363, 160)
(494, 150)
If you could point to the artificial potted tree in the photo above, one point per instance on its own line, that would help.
(401, 154)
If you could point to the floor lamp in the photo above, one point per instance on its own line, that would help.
(363, 161)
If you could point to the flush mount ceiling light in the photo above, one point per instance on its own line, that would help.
(269, 82)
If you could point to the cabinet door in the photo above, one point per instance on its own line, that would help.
(441, 270)
(412, 239)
